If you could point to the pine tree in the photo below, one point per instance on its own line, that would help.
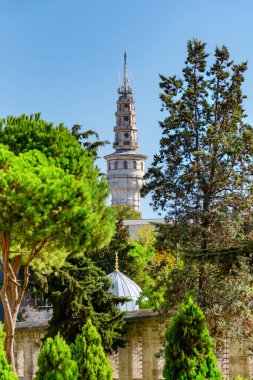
(52, 203)
(6, 372)
(202, 175)
(189, 348)
(89, 355)
(55, 361)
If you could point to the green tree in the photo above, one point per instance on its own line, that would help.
(226, 298)
(54, 361)
(79, 291)
(105, 257)
(189, 348)
(52, 205)
(202, 174)
(132, 256)
(83, 138)
(6, 372)
(202, 178)
(126, 212)
(89, 355)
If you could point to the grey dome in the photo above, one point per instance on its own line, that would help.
(123, 286)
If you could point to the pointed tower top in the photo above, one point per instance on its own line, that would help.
(125, 88)
(116, 262)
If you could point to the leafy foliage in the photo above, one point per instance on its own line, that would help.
(28, 133)
(79, 291)
(227, 260)
(189, 348)
(6, 372)
(83, 138)
(126, 212)
(105, 258)
(54, 361)
(133, 257)
(224, 299)
(89, 355)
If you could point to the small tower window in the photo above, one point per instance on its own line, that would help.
(126, 135)
(134, 165)
(142, 166)
(126, 118)
(109, 165)
(125, 165)
(116, 165)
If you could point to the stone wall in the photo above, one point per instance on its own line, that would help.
(138, 360)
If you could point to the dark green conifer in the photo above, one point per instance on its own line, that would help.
(189, 348)
(80, 291)
(55, 361)
(6, 372)
(89, 355)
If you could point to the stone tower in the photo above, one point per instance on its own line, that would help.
(126, 166)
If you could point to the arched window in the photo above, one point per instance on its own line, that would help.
(125, 165)
(142, 166)
(134, 165)
(116, 165)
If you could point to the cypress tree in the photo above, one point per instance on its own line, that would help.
(6, 372)
(89, 355)
(189, 348)
(55, 361)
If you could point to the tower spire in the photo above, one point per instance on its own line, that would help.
(125, 88)
(125, 70)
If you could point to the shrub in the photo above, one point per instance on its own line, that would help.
(89, 354)
(189, 348)
(55, 361)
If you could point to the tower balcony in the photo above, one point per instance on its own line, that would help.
(125, 127)
(125, 145)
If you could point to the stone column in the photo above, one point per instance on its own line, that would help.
(19, 354)
(28, 356)
(239, 363)
(36, 345)
(150, 346)
(126, 360)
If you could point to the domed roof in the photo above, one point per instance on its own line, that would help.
(123, 286)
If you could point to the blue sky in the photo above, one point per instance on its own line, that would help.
(63, 58)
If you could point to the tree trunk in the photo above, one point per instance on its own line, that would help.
(9, 329)
(9, 346)
(11, 295)
(204, 246)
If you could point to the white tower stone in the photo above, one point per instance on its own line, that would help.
(125, 167)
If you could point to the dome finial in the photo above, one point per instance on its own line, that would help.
(116, 262)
